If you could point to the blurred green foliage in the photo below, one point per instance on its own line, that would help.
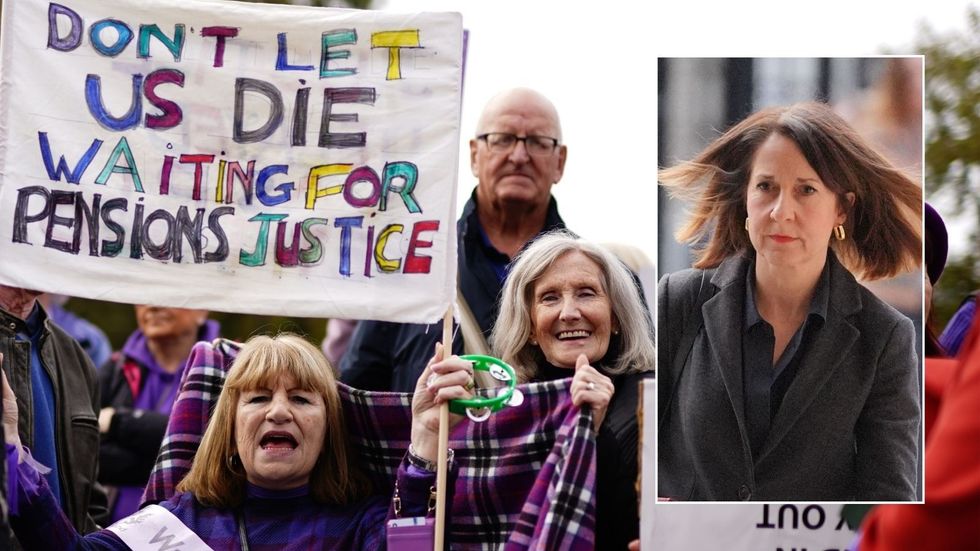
(952, 156)
(959, 280)
(119, 320)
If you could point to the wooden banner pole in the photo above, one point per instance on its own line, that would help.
(443, 459)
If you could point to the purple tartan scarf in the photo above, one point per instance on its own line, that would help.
(526, 475)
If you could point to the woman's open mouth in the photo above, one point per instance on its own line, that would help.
(278, 440)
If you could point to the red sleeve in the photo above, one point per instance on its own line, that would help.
(939, 371)
(950, 517)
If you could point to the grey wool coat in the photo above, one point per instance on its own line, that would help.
(848, 426)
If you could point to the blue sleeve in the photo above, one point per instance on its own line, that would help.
(99, 348)
(959, 325)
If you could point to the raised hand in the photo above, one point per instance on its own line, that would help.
(10, 415)
(592, 388)
(442, 380)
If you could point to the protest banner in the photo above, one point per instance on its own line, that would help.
(231, 156)
(747, 527)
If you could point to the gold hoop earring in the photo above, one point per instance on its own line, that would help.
(839, 232)
(746, 224)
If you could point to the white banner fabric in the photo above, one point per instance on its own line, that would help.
(280, 160)
(154, 528)
(748, 527)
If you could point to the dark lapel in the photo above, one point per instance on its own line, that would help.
(830, 347)
(723, 321)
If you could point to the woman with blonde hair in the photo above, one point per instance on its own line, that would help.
(781, 378)
(570, 308)
(273, 469)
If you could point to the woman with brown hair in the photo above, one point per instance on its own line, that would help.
(780, 377)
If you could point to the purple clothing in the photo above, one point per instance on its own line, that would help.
(274, 520)
(959, 325)
(158, 389)
(527, 475)
(13, 479)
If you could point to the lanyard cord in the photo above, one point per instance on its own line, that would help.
(242, 535)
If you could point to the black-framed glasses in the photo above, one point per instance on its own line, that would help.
(504, 142)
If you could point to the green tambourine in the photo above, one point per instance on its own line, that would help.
(498, 370)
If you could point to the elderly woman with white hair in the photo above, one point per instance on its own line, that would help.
(570, 308)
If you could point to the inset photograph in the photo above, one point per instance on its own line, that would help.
(790, 299)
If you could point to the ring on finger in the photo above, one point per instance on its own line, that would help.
(591, 385)
(470, 385)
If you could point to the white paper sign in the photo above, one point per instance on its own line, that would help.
(648, 456)
(154, 528)
(728, 527)
(231, 156)
(748, 527)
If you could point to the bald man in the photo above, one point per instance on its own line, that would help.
(516, 156)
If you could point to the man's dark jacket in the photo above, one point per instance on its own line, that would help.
(391, 356)
(75, 387)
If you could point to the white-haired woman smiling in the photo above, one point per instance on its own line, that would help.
(570, 308)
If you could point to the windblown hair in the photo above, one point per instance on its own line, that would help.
(262, 363)
(512, 330)
(882, 225)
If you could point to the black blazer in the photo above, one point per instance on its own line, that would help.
(847, 428)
